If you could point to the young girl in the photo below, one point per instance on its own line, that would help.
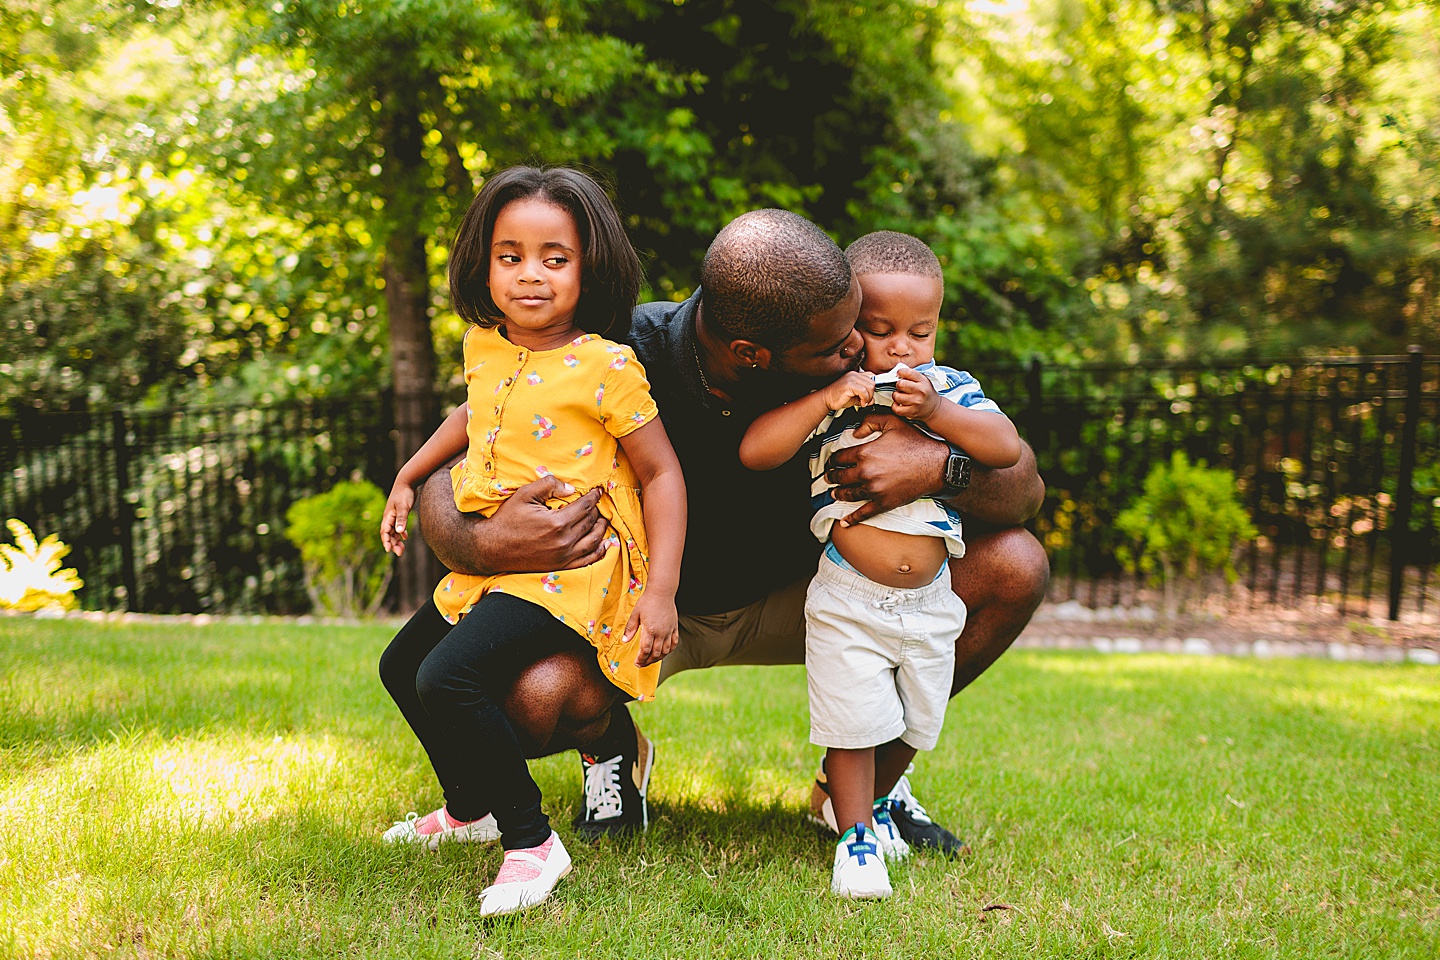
(541, 266)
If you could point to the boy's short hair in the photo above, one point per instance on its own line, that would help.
(767, 274)
(609, 269)
(886, 251)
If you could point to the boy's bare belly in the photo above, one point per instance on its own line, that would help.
(889, 558)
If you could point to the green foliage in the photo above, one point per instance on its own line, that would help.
(337, 533)
(1188, 523)
(1226, 178)
(238, 201)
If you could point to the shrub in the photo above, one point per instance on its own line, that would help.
(338, 535)
(30, 574)
(1188, 522)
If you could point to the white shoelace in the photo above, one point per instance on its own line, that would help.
(902, 795)
(602, 789)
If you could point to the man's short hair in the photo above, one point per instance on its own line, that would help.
(769, 272)
(886, 251)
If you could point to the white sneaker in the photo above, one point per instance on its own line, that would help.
(891, 843)
(526, 878)
(911, 821)
(887, 834)
(437, 827)
(860, 872)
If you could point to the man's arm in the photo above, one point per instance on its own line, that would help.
(903, 465)
(523, 536)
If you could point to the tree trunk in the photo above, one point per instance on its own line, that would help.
(412, 368)
(407, 300)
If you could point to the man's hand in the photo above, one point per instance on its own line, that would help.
(523, 536)
(897, 467)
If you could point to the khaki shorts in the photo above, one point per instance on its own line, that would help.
(769, 631)
(880, 660)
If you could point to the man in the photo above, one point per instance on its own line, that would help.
(774, 317)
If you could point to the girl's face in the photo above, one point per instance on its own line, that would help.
(535, 273)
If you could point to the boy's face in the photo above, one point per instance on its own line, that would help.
(899, 315)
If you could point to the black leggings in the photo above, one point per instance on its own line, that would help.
(450, 683)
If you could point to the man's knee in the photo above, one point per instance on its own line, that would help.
(1005, 568)
(557, 702)
(1028, 569)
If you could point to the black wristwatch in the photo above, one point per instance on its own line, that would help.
(957, 474)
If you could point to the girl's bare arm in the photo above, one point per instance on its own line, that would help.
(655, 621)
(444, 444)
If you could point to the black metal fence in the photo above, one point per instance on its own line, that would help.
(183, 510)
(1338, 461)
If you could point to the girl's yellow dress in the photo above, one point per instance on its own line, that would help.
(560, 412)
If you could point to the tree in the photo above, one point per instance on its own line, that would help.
(379, 121)
(1226, 177)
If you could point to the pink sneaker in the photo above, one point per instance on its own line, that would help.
(438, 826)
(526, 878)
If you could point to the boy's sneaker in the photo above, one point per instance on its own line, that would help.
(915, 825)
(887, 832)
(911, 820)
(526, 878)
(615, 791)
(439, 827)
(887, 835)
(860, 872)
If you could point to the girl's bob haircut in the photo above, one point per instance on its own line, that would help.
(609, 269)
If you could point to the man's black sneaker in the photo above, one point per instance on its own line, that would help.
(915, 826)
(615, 790)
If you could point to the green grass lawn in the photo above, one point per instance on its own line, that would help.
(179, 790)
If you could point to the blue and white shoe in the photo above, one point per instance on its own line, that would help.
(892, 845)
(860, 872)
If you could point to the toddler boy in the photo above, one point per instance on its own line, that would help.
(881, 619)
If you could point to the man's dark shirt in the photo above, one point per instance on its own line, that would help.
(748, 531)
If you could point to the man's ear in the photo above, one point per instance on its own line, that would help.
(750, 354)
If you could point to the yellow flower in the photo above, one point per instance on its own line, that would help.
(30, 574)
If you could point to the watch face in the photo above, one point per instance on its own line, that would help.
(957, 471)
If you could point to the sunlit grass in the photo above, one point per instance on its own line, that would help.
(175, 790)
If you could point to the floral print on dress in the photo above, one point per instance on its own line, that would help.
(585, 455)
